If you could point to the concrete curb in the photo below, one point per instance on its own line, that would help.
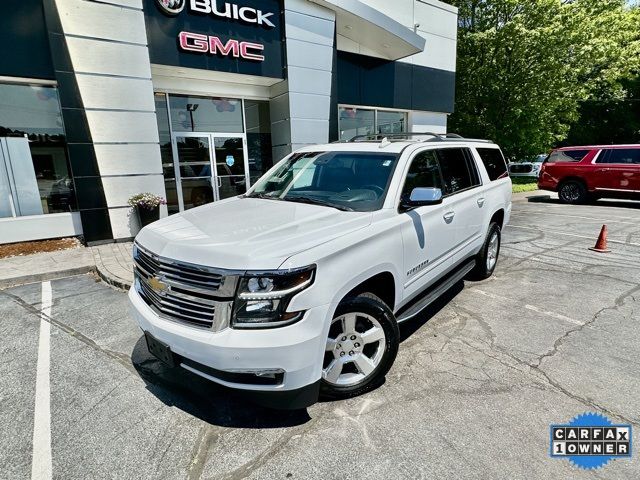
(42, 277)
(114, 264)
(112, 280)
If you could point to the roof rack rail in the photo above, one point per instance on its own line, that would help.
(434, 137)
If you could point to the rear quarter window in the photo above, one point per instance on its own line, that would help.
(494, 162)
(567, 156)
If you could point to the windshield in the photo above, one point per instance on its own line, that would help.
(355, 181)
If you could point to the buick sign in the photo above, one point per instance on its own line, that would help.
(171, 7)
(224, 10)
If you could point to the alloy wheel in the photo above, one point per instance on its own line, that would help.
(354, 349)
(570, 192)
(492, 251)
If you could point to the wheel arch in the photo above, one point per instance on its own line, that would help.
(382, 285)
(498, 217)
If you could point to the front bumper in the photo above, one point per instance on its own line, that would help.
(525, 175)
(297, 350)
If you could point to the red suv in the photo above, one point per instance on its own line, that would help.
(582, 173)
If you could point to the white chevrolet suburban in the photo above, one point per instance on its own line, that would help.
(296, 289)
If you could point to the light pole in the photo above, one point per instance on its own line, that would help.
(192, 107)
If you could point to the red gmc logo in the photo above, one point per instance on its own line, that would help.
(196, 42)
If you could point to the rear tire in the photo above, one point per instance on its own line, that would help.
(573, 192)
(361, 347)
(487, 257)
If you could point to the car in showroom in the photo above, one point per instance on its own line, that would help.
(296, 288)
(579, 174)
(527, 168)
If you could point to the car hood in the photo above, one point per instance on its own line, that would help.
(247, 233)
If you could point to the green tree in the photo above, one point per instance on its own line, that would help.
(609, 120)
(524, 66)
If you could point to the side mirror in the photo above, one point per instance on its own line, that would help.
(422, 196)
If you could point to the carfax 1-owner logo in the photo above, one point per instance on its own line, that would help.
(590, 441)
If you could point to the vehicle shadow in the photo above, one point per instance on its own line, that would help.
(408, 328)
(222, 406)
(208, 401)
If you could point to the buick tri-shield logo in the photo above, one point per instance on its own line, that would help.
(171, 7)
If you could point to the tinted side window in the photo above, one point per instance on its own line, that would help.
(423, 173)
(455, 170)
(473, 168)
(620, 155)
(494, 162)
(567, 156)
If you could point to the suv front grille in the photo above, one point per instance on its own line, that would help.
(516, 168)
(180, 291)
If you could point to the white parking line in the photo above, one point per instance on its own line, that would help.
(573, 235)
(41, 462)
(533, 308)
(590, 219)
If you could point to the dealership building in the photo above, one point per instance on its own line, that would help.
(194, 100)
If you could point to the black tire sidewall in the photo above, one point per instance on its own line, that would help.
(481, 272)
(381, 312)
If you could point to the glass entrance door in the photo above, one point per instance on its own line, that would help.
(193, 170)
(197, 180)
(231, 166)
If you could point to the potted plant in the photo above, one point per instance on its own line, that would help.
(147, 207)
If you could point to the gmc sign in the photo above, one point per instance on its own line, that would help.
(195, 42)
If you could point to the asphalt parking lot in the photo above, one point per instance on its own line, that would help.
(479, 378)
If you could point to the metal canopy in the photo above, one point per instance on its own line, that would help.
(373, 29)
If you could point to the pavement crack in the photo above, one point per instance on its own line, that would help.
(539, 253)
(256, 463)
(121, 358)
(206, 437)
(560, 340)
(102, 399)
(584, 400)
(619, 301)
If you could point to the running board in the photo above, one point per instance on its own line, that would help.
(435, 291)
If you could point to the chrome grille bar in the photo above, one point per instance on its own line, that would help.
(183, 292)
(179, 272)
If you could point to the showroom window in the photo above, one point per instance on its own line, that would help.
(355, 121)
(35, 177)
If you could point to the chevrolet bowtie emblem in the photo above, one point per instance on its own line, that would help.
(158, 285)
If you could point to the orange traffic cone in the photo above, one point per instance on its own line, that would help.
(601, 244)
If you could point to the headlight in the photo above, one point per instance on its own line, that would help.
(263, 297)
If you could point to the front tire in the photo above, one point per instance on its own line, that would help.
(361, 347)
(572, 191)
(487, 258)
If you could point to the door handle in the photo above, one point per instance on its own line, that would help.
(481, 202)
(448, 217)
(605, 169)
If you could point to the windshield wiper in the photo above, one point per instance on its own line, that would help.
(262, 195)
(315, 201)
